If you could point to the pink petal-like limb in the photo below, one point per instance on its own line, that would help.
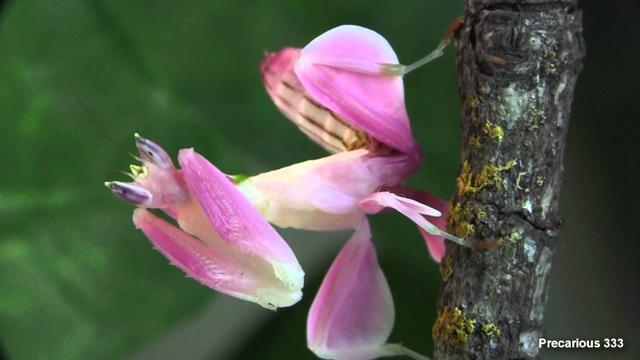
(372, 102)
(323, 194)
(240, 275)
(410, 208)
(315, 120)
(237, 222)
(435, 243)
(365, 65)
(352, 314)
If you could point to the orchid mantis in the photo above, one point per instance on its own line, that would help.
(344, 90)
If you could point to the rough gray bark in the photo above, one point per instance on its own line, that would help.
(518, 62)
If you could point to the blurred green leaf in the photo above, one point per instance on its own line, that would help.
(77, 78)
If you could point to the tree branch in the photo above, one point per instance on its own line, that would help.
(518, 62)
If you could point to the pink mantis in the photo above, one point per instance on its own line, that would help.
(344, 90)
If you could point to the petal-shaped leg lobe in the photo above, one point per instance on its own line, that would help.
(412, 209)
(320, 124)
(431, 230)
(435, 243)
(229, 272)
(372, 102)
(234, 218)
(377, 201)
(352, 314)
(351, 48)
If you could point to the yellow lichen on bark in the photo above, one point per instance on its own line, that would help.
(490, 329)
(445, 268)
(494, 131)
(459, 221)
(489, 175)
(453, 326)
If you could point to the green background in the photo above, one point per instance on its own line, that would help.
(78, 78)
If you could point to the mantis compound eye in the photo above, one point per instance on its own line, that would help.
(152, 152)
(131, 193)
